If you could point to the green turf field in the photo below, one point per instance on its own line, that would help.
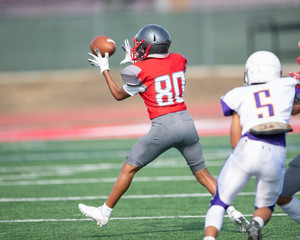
(41, 184)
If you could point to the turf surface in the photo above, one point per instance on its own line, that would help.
(41, 184)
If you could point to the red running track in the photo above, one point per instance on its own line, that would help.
(105, 123)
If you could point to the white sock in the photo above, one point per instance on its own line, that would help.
(209, 238)
(260, 221)
(292, 209)
(106, 210)
(214, 217)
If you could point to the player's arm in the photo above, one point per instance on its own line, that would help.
(296, 108)
(118, 93)
(102, 62)
(235, 130)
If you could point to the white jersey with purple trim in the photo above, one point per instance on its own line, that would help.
(261, 103)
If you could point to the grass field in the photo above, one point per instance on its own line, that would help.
(41, 184)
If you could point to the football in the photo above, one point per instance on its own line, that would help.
(104, 44)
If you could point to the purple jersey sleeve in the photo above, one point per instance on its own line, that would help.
(227, 111)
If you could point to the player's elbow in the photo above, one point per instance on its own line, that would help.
(118, 98)
(121, 96)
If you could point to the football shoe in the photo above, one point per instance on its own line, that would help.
(94, 213)
(254, 231)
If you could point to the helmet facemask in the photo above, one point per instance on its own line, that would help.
(137, 51)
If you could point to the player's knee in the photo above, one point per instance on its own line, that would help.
(197, 167)
(129, 169)
(283, 200)
(217, 201)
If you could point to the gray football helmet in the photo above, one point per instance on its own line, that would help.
(150, 39)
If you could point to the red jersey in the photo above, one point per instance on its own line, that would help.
(165, 82)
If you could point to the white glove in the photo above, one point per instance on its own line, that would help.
(99, 61)
(126, 49)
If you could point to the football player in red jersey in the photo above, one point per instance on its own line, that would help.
(287, 200)
(159, 78)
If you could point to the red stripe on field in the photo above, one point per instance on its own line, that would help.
(209, 127)
(101, 115)
(99, 132)
(105, 123)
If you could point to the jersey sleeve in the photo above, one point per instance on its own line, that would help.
(130, 75)
(133, 84)
(133, 90)
(230, 102)
(292, 82)
(227, 111)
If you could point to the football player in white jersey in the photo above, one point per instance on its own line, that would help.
(260, 113)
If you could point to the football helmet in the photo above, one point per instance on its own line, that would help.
(150, 39)
(262, 67)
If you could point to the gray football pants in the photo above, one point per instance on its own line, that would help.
(291, 183)
(171, 130)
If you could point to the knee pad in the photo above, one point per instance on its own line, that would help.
(217, 201)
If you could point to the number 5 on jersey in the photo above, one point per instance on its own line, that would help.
(259, 97)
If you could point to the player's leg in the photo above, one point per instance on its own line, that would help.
(192, 152)
(162, 136)
(122, 184)
(143, 152)
(287, 201)
(232, 179)
(230, 182)
(194, 156)
(102, 214)
(292, 209)
(204, 177)
(269, 182)
(190, 148)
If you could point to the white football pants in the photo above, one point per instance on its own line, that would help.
(264, 161)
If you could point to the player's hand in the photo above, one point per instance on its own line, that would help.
(295, 75)
(99, 61)
(126, 49)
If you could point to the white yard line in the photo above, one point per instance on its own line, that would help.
(116, 218)
(92, 154)
(34, 172)
(94, 180)
(148, 196)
